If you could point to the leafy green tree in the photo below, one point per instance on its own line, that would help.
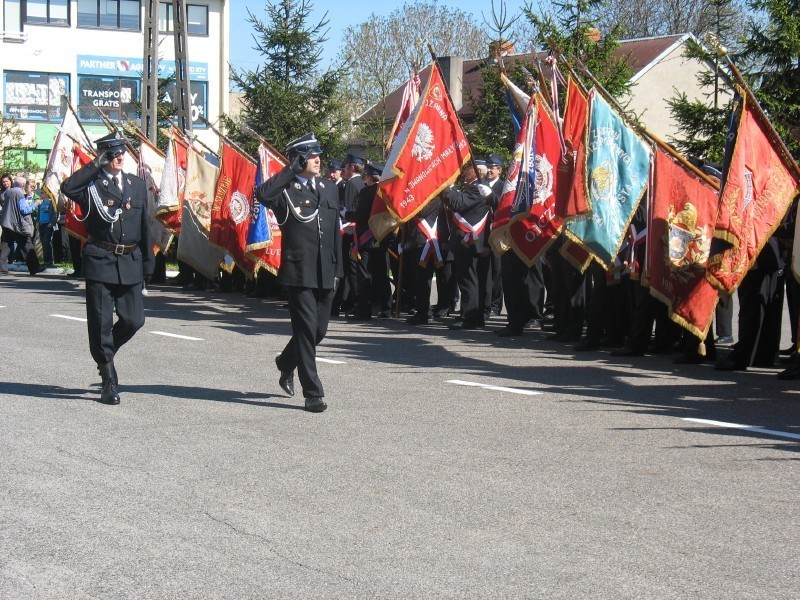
(288, 95)
(773, 48)
(12, 148)
(380, 53)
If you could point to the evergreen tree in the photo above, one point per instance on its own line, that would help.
(703, 123)
(773, 47)
(288, 96)
(491, 130)
(573, 26)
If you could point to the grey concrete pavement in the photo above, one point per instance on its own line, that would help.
(208, 482)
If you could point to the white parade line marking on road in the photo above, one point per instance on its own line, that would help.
(791, 436)
(331, 361)
(81, 319)
(498, 388)
(175, 335)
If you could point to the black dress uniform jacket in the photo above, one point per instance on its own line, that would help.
(131, 228)
(311, 252)
(362, 207)
(472, 207)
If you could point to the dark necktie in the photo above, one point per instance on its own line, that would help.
(310, 184)
(115, 182)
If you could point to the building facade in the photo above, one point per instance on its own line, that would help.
(91, 52)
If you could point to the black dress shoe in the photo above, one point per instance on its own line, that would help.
(109, 395)
(730, 365)
(788, 351)
(417, 320)
(627, 352)
(315, 404)
(286, 380)
(586, 346)
(688, 359)
(508, 332)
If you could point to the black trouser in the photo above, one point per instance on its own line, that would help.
(46, 237)
(75, 253)
(446, 287)
(364, 281)
(723, 317)
(569, 295)
(310, 311)
(497, 283)
(474, 276)
(423, 279)
(523, 290)
(25, 243)
(104, 299)
(760, 308)
(345, 297)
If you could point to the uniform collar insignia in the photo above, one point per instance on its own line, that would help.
(297, 185)
(322, 185)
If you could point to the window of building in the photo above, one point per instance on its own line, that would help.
(35, 96)
(111, 14)
(116, 97)
(198, 90)
(196, 19)
(54, 12)
(12, 15)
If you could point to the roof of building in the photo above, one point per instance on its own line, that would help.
(640, 54)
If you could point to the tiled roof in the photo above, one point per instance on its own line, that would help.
(639, 53)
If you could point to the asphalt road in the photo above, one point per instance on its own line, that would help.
(570, 476)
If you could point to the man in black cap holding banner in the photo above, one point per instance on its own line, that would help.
(118, 256)
(307, 209)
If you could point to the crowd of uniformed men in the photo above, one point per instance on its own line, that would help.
(446, 242)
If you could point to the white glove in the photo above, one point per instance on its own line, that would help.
(485, 190)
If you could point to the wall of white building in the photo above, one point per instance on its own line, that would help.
(100, 66)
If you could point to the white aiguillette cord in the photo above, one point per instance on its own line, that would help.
(296, 211)
(101, 210)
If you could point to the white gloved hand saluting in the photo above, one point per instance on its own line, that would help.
(485, 190)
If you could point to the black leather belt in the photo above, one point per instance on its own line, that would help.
(115, 248)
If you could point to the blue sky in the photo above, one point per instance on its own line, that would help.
(341, 15)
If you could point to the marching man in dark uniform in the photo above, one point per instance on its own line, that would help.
(307, 209)
(118, 257)
(469, 243)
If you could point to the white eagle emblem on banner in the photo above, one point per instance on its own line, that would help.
(543, 180)
(239, 207)
(423, 143)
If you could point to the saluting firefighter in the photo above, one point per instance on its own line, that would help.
(118, 256)
(307, 209)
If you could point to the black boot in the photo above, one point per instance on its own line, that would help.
(113, 372)
(108, 394)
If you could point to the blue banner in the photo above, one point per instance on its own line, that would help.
(617, 169)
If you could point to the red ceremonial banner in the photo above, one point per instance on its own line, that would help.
(533, 234)
(73, 222)
(230, 213)
(575, 254)
(268, 256)
(571, 198)
(427, 155)
(682, 216)
(169, 209)
(756, 193)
